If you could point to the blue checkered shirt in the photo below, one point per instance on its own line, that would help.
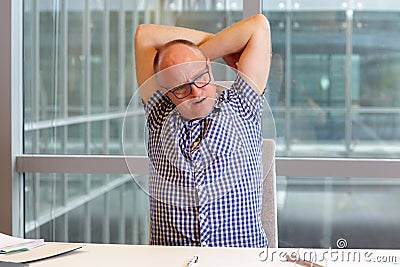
(205, 179)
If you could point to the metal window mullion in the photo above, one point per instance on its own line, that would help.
(36, 203)
(121, 60)
(64, 88)
(135, 214)
(378, 110)
(6, 118)
(122, 52)
(122, 215)
(36, 106)
(88, 211)
(64, 70)
(55, 78)
(79, 120)
(348, 77)
(308, 167)
(327, 213)
(106, 74)
(64, 180)
(147, 15)
(121, 93)
(143, 218)
(87, 53)
(158, 10)
(135, 24)
(288, 78)
(135, 20)
(106, 107)
(106, 217)
(36, 76)
(251, 8)
(134, 126)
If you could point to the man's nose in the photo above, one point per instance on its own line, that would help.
(195, 90)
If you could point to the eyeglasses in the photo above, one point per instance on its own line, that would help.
(185, 89)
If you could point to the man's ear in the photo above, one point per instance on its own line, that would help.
(167, 93)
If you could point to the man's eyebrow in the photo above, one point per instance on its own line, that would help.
(199, 73)
(194, 76)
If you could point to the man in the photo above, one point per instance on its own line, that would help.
(205, 149)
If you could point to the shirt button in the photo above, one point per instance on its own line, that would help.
(204, 244)
(200, 187)
(202, 216)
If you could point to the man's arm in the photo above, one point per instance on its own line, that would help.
(148, 39)
(246, 46)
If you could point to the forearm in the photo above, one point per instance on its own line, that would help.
(149, 38)
(236, 37)
(155, 36)
(245, 46)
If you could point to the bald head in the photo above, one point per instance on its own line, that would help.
(177, 52)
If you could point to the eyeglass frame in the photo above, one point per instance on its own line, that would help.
(193, 82)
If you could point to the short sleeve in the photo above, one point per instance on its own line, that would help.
(157, 109)
(245, 100)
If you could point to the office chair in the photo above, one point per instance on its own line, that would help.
(269, 206)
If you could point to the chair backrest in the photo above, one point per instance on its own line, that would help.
(269, 206)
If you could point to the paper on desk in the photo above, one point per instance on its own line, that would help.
(39, 253)
(12, 264)
(7, 242)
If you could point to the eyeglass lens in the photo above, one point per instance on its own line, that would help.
(185, 89)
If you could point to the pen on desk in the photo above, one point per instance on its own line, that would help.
(14, 250)
(193, 261)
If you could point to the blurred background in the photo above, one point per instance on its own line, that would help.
(334, 91)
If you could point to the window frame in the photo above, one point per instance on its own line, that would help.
(11, 56)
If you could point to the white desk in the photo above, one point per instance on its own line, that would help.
(126, 255)
(97, 255)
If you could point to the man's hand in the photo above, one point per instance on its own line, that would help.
(233, 59)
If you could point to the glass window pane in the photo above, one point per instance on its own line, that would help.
(82, 52)
(79, 71)
(333, 83)
(86, 208)
(315, 212)
(317, 132)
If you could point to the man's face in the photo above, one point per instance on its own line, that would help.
(190, 87)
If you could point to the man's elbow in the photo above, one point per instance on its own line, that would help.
(143, 34)
(262, 22)
(140, 32)
(260, 29)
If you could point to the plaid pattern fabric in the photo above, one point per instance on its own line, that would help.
(205, 180)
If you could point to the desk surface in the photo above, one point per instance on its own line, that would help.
(98, 255)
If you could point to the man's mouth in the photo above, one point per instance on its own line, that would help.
(199, 101)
